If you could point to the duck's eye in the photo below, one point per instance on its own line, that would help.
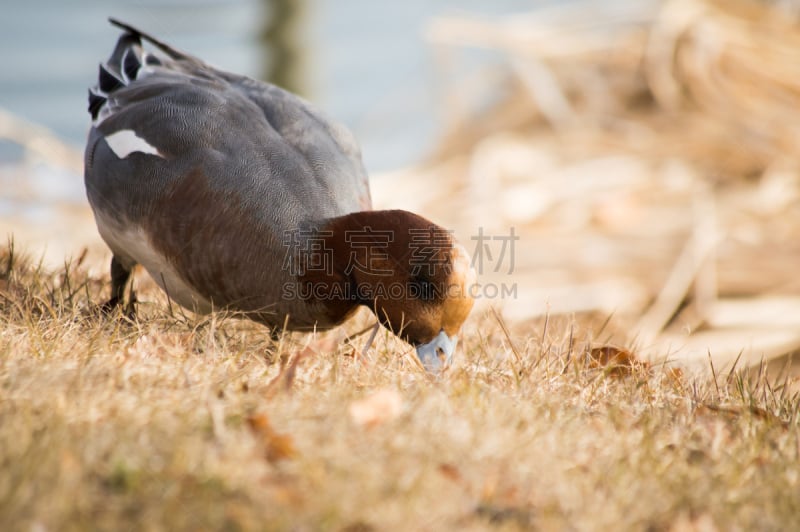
(440, 354)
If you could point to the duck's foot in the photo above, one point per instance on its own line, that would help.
(120, 275)
(275, 334)
(130, 309)
(110, 307)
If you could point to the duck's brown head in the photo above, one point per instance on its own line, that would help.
(414, 276)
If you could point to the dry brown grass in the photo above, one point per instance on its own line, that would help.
(675, 128)
(184, 423)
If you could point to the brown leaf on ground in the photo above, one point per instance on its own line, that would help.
(617, 361)
(276, 446)
(451, 472)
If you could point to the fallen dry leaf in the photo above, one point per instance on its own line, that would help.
(379, 407)
(276, 446)
(280, 447)
(451, 472)
(618, 361)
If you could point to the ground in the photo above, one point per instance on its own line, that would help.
(176, 422)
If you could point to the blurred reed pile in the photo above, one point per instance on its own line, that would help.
(646, 153)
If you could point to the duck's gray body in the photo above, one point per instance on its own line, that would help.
(204, 177)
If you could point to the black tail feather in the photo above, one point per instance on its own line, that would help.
(96, 101)
(130, 64)
(107, 81)
(166, 48)
(125, 64)
(124, 43)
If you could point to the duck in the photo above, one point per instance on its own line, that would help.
(233, 193)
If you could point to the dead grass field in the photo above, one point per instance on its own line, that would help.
(171, 422)
(648, 161)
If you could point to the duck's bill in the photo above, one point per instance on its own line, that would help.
(437, 353)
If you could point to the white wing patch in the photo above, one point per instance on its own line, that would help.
(126, 141)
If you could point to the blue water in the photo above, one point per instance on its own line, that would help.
(364, 62)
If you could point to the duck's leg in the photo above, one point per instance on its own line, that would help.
(119, 279)
(275, 334)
